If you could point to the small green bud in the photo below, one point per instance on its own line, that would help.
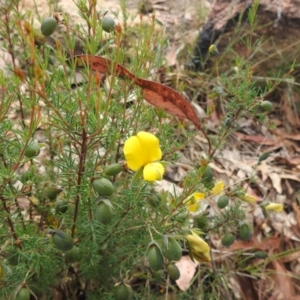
(208, 175)
(172, 251)
(104, 212)
(223, 201)
(159, 275)
(264, 156)
(266, 106)
(245, 232)
(173, 271)
(261, 254)
(155, 257)
(32, 150)
(72, 255)
(228, 239)
(62, 240)
(122, 291)
(48, 26)
(113, 169)
(108, 24)
(23, 294)
(103, 187)
(61, 206)
(51, 192)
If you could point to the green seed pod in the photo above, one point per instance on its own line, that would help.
(103, 187)
(62, 240)
(104, 212)
(23, 294)
(264, 156)
(28, 175)
(266, 106)
(228, 239)
(51, 192)
(159, 276)
(13, 257)
(113, 169)
(172, 251)
(32, 150)
(108, 24)
(245, 232)
(72, 255)
(122, 291)
(61, 206)
(223, 201)
(173, 271)
(48, 26)
(208, 175)
(155, 257)
(261, 254)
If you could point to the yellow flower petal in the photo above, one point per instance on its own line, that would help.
(249, 198)
(201, 257)
(277, 207)
(141, 150)
(153, 171)
(192, 202)
(197, 244)
(218, 188)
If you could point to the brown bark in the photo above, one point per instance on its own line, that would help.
(275, 41)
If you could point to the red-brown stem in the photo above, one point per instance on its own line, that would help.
(10, 222)
(82, 157)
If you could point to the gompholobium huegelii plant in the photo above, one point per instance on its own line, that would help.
(81, 154)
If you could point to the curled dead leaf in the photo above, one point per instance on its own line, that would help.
(159, 95)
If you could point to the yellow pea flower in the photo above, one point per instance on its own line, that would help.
(248, 198)
(192, 202)
(277, 207)
(143, 151)
(218, 188)
(199, 249)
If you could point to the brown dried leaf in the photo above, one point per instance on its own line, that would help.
(157, 94)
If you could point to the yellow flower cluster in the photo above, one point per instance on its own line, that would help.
(143, 151)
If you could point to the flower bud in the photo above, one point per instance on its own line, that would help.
(261, 254)
(61, 206)
(173, 271)
(62, 240)
(223, 201)
(155, 257)
(122, 291)
(245, 232)
(172, 250)
(48, 26)
(228, 239)
(108, 24)
(267, 106)
(72, 255)
(159, 275)
(104, 212)
(51, 192)
(23, 294)
(103, 187)
(113, 169)
(32, 150)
